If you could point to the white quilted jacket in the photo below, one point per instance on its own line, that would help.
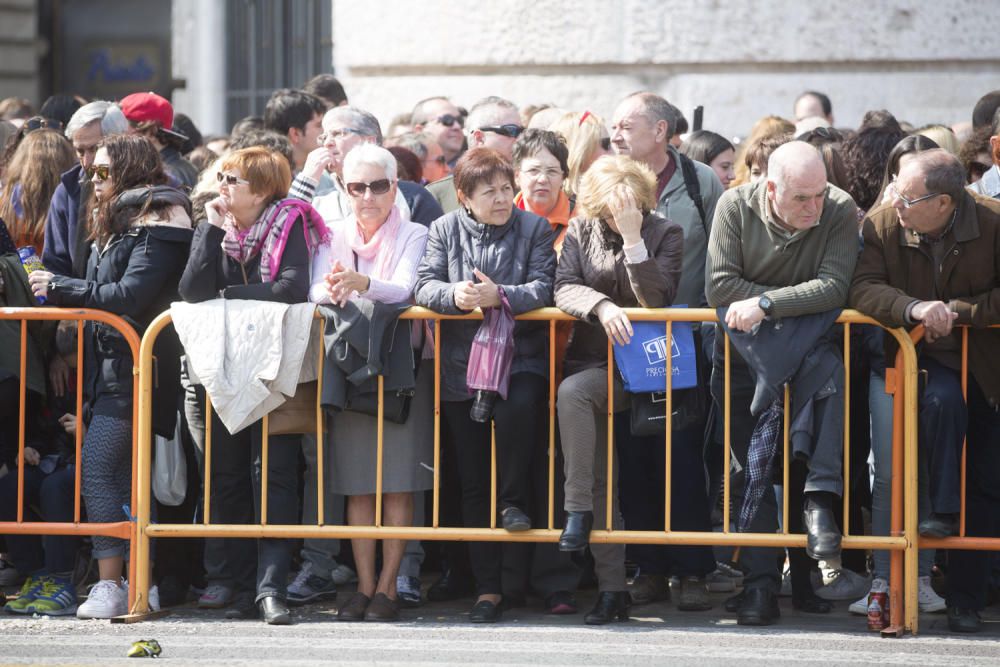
(248, 354)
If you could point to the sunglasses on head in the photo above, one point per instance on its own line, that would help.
(606, 143)
(379, 187)
(39, 122)
(448, 120)
(509, 130)
(230, 179)
(102, 171)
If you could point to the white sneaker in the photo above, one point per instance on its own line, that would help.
(154, 597)
(861, 606)
(343, 575)
(927, 598)
(107, 599)
(844, 584)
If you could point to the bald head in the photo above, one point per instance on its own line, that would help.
(795, 159)
(796, 185)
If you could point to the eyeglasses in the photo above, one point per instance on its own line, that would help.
(510, 130)
(338, 134)
(910, 203)
(232, 180)
(102, 171)
(440, 159)
(39, 122)
(448, 120)
(606, 143)
(379, 187)
(550, 174)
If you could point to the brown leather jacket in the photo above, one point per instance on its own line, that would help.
(592, 268)
(896, 269)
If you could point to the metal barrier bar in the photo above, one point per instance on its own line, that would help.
(787, 467)
(668, 431)
(552, 424)
(125, 529)
(847, 427)
(901, 542)
(727, 438)
(207, 485)
(320, 441)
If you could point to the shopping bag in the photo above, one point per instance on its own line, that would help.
(170, 469)
(492, 350)
(643, 362)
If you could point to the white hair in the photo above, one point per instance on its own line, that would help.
(370, 154)
(487, 112)
(112, 119)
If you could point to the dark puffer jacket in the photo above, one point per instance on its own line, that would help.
(517, 256)
(135, 276)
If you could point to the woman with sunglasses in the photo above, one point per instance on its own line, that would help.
(253, 244)
(373, 254)
(141, 236)
(30, 180)
(486, 245)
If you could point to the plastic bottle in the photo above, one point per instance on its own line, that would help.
(31, 263)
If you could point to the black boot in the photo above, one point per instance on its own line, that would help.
(275, 611)
(576, 534)
(823, 535)
(610, 607)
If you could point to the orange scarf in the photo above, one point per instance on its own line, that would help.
(558, 217)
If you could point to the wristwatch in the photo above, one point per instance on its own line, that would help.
(766, 304)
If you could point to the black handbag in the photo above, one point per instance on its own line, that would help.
(396, 404)
(648, 414)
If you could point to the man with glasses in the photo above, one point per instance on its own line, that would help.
(441, 119)
(493, 122)
(66, 242)
(780, 260)
(931, 257)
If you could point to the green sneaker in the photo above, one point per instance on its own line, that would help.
(56, 597)
(30, 589)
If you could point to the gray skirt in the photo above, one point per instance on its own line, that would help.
(407, 449)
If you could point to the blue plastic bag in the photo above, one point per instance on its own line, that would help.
(643, 362)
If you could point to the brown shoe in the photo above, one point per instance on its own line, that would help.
(649, 588)
(383, 609)
(694, 595)
(355, 608)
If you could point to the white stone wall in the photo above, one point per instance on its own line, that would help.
(19, 50)
(924, 61)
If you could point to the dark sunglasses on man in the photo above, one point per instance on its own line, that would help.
(448, 120)
(102, 171)
(440, 159)
(379, 187)
(509, 130)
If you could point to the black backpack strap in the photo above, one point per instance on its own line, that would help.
(693, 187)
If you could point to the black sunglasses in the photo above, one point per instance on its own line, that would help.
(440, 159)
(102, 171)
(232, 180)
(39, 122)
(606, 143)
(448, 120)
(510, 130)
(379, 187)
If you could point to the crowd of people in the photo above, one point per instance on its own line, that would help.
(504, 208)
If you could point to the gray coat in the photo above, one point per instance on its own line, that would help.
(517, 256)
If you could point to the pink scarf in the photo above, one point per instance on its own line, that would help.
(268, 236)
(346, 241)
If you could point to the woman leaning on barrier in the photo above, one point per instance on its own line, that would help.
(141, 236)
(617, 255)
(373, 254)
(472, 253)
(245, 249)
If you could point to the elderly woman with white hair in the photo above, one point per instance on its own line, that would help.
(373, 254)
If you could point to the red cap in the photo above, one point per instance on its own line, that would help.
(139, 107)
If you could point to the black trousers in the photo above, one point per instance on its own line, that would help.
(274, 555)
(516, 421)
(641, 491)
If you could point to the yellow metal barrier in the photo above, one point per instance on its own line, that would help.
(125, 529)
(901, 542)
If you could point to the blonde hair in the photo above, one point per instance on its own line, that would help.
(766, 127)
(942, 136)
(605, 175)
(583, 138)
(36, 166)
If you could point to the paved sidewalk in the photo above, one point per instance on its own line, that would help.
(440, 634)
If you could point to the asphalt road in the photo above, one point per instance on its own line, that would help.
(439, 634)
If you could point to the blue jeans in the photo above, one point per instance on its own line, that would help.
(880, 404)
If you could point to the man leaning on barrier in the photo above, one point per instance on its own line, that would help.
(931, 257)
(780, 259)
